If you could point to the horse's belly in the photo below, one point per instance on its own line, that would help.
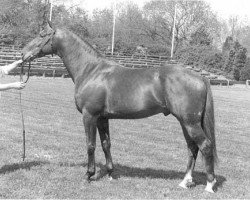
(133, 114)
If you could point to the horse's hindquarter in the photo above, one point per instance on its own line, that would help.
(185, 92)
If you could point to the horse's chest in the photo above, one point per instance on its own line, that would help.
(91, 97)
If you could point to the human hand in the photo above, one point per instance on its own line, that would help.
(18, 85)
(19, 61)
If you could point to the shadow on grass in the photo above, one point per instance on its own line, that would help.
(23, 165)
(200, 178)
(121, 171)
(128, 171)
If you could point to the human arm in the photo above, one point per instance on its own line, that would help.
(15, 85)
(7, 68)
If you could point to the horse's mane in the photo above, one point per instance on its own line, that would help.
(79, 43)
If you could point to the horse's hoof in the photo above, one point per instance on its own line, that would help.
(110, 178)
(209, 190)
(210, 185)
(113, 175)
(190, 184)
(187, 184)
(86, 178)
(183, 185)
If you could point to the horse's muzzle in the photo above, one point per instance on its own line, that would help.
(28, 56)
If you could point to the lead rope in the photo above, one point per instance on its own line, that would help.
(21, 108)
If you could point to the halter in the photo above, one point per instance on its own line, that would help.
(48, 37)
(21, 73)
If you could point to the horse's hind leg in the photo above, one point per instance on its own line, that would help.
(103, 128)
(89, 122)
(197, 134)
(192, 155)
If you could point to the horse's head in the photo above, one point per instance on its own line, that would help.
(41, 45)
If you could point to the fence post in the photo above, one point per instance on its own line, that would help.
(247, 83)
(54, 72)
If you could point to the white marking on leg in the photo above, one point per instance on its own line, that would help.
(210, 185)
(187, 179)
(110, 178)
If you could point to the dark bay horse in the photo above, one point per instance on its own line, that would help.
(107, 90)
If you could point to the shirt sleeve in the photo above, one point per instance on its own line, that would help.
(1, 72)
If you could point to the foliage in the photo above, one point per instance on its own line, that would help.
(149, 26)
(200, 52)
(239, 62)
(245, 72)
(235, 56)
(190, 16)
(101, 26)
(200, 37)
(227, 45)
(214, 60)
(20, 21)
(192, 54)
(198, 31)
(244, 38)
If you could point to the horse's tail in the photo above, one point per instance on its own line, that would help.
(208, 124)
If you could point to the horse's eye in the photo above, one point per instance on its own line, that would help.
(43, 34)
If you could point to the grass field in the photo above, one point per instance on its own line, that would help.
(149, 154)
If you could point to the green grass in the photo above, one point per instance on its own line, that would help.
(149, 154)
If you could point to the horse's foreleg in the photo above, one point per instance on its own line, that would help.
(89, 122)
(103, 128)
(192, 155)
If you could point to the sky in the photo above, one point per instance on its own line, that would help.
(227, 8)
(223, 8)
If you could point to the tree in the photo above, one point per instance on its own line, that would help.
(245, 72)
(79, 22)
(244, 37)
(100, 27)
(228, 45)
(239, 61)
(190, 16)
(234, 26)
(200, 37)
(128, 34)
(235, 57)
(21, 20)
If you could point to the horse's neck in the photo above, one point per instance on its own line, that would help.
(76, 54)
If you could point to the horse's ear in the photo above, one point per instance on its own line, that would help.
(44, 16)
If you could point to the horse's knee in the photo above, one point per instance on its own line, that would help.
(206, 148)
(91, 149)
(106, 145)
(198, 136)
